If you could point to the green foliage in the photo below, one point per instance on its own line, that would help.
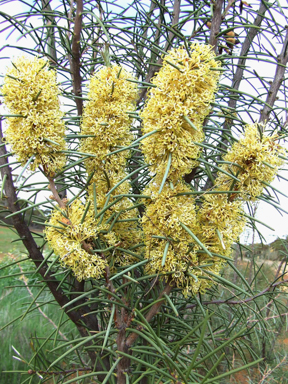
(10, 242)
(19, 286)
(131, 325)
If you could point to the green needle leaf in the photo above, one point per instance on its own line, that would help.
(166, 172)
(109, 326)
(194, 237)
(165, 253)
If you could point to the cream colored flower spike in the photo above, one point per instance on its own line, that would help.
(255, 161)
(66, 233)
(30, 90)
(176, 108)
(106, 117)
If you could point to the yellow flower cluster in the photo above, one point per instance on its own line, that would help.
(254, 160)
(70, 236)
(106, 118)
(176, 108)
(30, 90)
(220, 223)
(173, 251)
(170, 248)
(162, 229)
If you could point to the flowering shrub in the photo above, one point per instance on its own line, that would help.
(180, 236)
(151, 167)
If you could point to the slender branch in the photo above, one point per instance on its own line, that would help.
(125, 362)
(276, 83)
(152, 312)
(52, 52)
(279, 268)
(69, 18)
(55, 192)
(121, 322)
(158, 32)
(51, 48)
(213, 40)
(215, 24)
(269, 318)
(269, 371)
(32, 372)
(124, 344)
(75, 61)
(23, 230)
(46, 7)
(233, 302)
(229, 5)
(241, 65)
(111, 288)
(175, 21)
(153, 6)
(62, 205)
(154, 69)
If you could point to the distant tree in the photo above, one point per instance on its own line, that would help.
(171, 120)
(280, 245)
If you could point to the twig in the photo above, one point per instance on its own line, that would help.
(111, 288)
(55, 192)
(124, 344)
(32, 372)
(279, 268)
(229, 5)
(252, 32)
(269, 371)
(262, 309)
(233, 302)
(276, 83)
(152, 312)
(46, 8)
(121, 322)
(77, 80)
(69, 18)
(215, 24)
(154, 69)
(175, 21)
(268, 318)
(62, 205)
